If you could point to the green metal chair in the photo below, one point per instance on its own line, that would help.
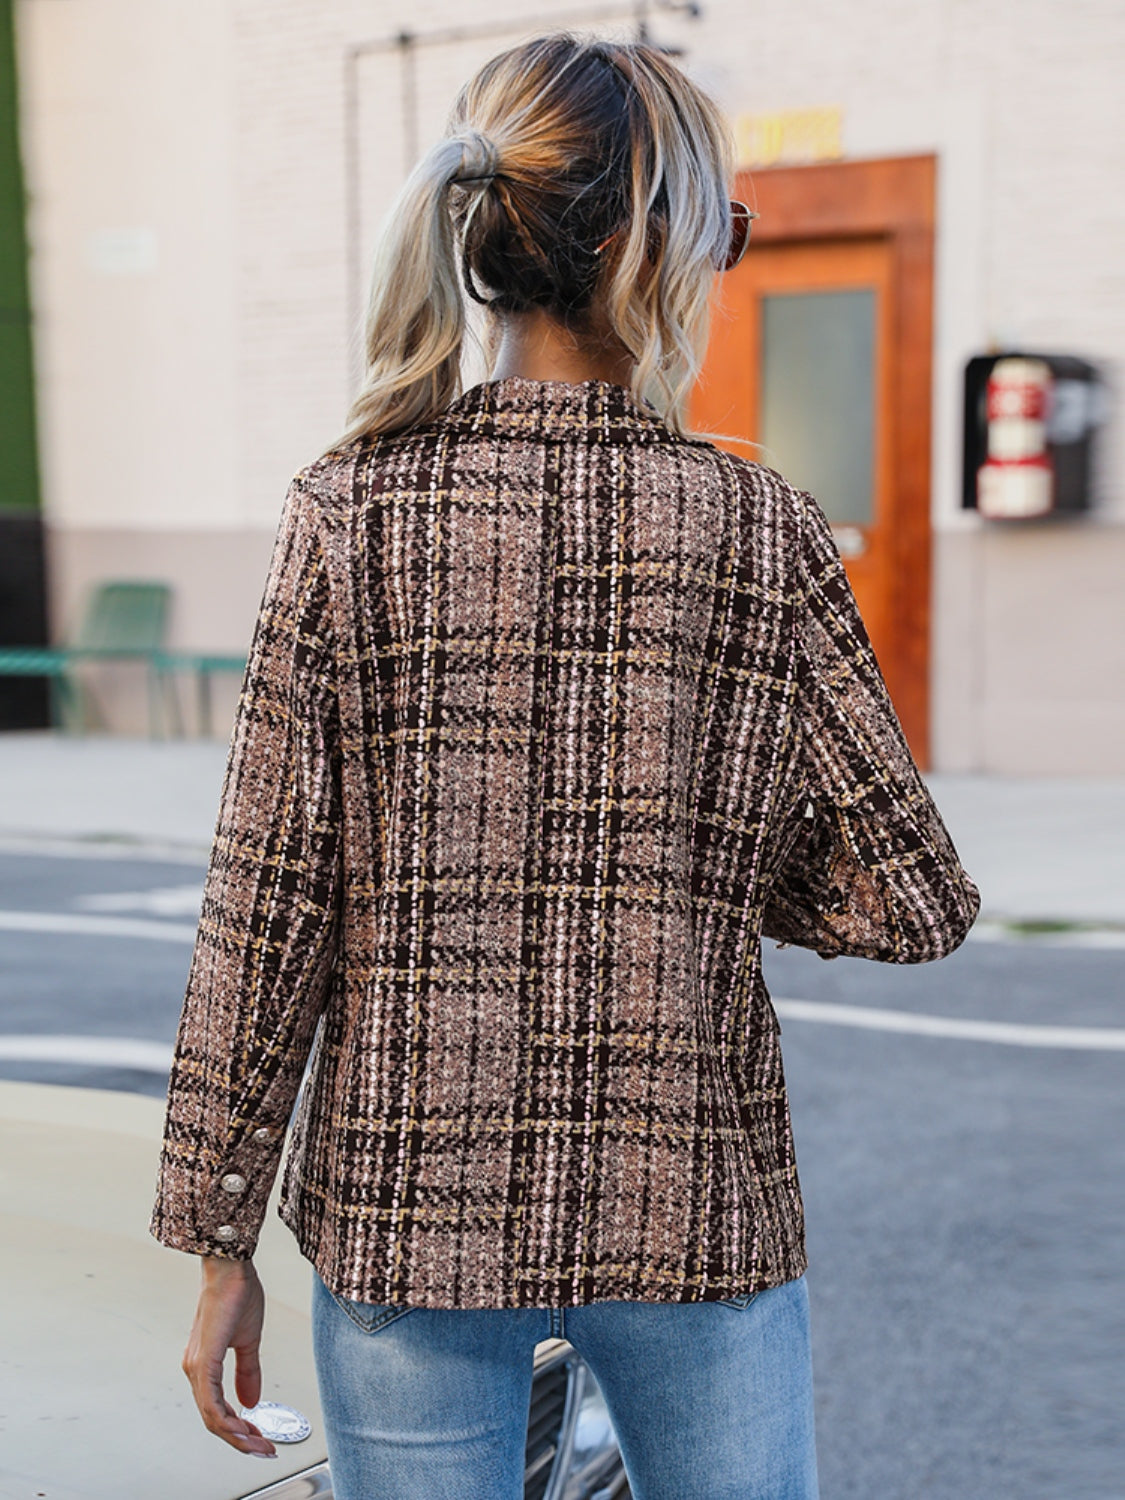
(203, 665)
(124, 621)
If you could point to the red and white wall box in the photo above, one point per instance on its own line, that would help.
(1029, 426)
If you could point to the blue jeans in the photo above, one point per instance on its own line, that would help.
(710, 1400)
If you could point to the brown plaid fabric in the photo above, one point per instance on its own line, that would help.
(550, 714)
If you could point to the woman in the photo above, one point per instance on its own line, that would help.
(552, 711)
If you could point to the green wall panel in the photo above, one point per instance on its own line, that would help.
(19, 467)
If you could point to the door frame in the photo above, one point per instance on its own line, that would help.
(893, 200)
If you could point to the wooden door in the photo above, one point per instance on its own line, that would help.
(820, 351)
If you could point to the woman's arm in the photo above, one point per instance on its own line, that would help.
(261, 967)
(871, 871)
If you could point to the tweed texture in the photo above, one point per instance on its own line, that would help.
(549, 716)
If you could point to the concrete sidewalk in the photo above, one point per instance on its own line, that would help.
(1040, 850)
(104, 789)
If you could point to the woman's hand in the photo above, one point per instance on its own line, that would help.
(229, 1316)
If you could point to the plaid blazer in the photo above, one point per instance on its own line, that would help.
(550, 715)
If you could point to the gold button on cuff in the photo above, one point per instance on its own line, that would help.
(233, 1183)
(263, 1135)
(226, 1232)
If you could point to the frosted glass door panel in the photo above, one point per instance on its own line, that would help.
(818, 397)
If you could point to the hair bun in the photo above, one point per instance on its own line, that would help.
(480, 159)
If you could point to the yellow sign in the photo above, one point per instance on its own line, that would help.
(789, 137)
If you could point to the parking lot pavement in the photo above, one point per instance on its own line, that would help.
(95, 959)
(965, 1218)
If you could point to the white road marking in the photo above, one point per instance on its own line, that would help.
(156, 1057)
(103, 848)
(160, 901)
(1083, 1038)
(99, 1051)
(184, 900)
(93, 926)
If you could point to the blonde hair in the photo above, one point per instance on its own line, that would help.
(575, 172)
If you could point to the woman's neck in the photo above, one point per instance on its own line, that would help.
(538, 347)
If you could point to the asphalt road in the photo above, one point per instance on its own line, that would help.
(965, 1197)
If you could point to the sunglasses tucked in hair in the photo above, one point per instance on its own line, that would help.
(741, 222)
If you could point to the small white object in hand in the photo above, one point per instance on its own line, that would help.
(281, 1424)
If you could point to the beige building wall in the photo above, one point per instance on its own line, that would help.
(196, 325)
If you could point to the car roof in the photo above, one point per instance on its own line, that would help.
(96, 1314)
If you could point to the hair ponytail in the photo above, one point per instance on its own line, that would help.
(416, 315)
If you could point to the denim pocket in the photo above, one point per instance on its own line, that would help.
(369, 1317)
(739, 1302)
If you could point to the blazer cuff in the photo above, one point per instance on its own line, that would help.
(218, 1208)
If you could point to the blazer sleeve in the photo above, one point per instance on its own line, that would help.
(267, 933)
(871, 870)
